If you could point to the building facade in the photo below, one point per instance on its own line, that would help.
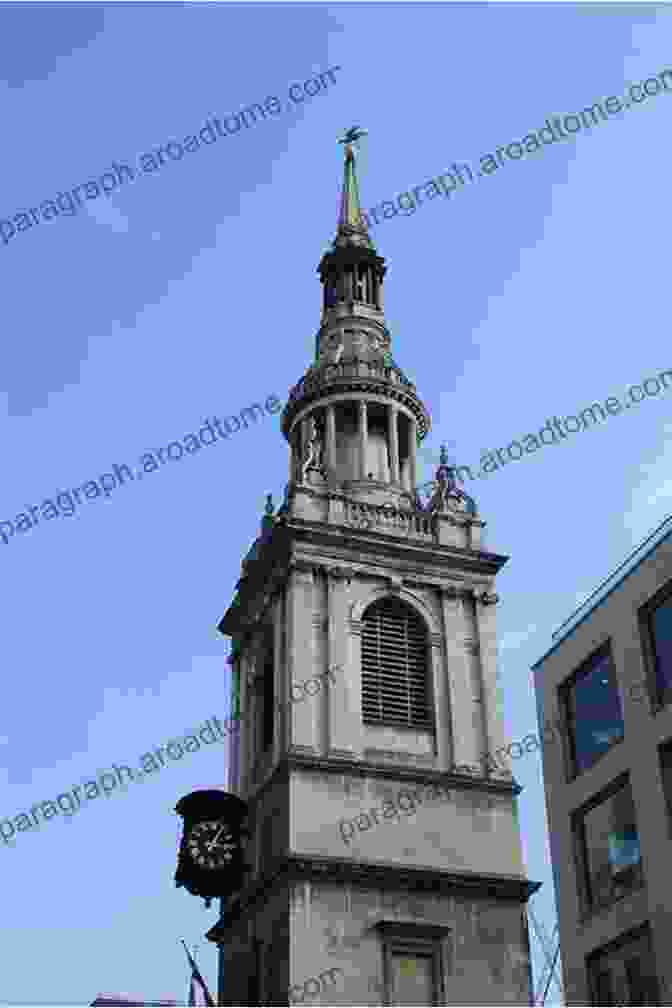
(606, 683)
(364, 646)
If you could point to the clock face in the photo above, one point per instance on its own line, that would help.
(211, 844)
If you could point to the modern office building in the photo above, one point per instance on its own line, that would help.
(606, 683)
(364, 646)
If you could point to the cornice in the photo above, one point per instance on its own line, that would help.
(400, 550)
(415, 562)
(321, 870)
(351, 766)
(361, 768)
(381, 874)
(333, 381)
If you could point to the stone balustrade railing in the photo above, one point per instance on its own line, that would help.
(349, 369)
(386, 518)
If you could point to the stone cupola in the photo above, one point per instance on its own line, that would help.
(354, 407)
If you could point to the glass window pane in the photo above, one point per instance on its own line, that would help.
(595, 716)
(412, 980)
(661, 631)
(612, 848)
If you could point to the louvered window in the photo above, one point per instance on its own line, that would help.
(395, 666)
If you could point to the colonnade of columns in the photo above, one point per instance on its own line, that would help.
(359, 283)
(395, 465)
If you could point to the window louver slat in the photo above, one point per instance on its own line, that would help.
(394, 666)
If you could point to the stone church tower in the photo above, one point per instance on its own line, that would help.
(384, 847)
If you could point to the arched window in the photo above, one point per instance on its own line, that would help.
(395, 666)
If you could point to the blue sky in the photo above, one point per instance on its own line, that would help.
(536, 291)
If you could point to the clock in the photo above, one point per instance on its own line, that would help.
(211, 844)
(211, 860)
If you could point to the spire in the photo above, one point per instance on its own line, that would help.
(351, 224)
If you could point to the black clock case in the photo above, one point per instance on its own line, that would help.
(203, 806)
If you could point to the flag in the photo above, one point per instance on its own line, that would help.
(198, 989)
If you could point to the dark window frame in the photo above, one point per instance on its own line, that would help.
(604, 650)
(589, 907)
(665, 756)
(658, 699)
(596, 969)
(419, 940)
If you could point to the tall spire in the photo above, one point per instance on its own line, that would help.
(351, 225)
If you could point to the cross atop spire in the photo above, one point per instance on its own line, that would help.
(351, 224)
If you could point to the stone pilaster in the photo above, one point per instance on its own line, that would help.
(300, 661)
(484, 619)
(440, 693)
(344, 724)
(246, 725)
(279, 676)
(466, 741)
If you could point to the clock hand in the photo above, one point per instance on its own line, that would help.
(212, 844)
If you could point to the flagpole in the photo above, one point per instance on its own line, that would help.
(188, 997)
(196, 973)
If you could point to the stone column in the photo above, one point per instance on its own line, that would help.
(393, 438)
(300, 662)
(331, 440)
(292, 456)
(363, 438)
(412, 454)
(348, 284)
(344, 698)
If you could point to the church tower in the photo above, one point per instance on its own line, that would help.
(384, 848)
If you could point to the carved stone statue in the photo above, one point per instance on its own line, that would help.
(447, 494)
(312, 452)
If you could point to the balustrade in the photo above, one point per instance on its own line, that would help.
(349, 369)
(387, 518)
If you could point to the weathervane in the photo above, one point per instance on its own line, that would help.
(352, 135)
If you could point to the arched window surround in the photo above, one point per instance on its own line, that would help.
(420, 716)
